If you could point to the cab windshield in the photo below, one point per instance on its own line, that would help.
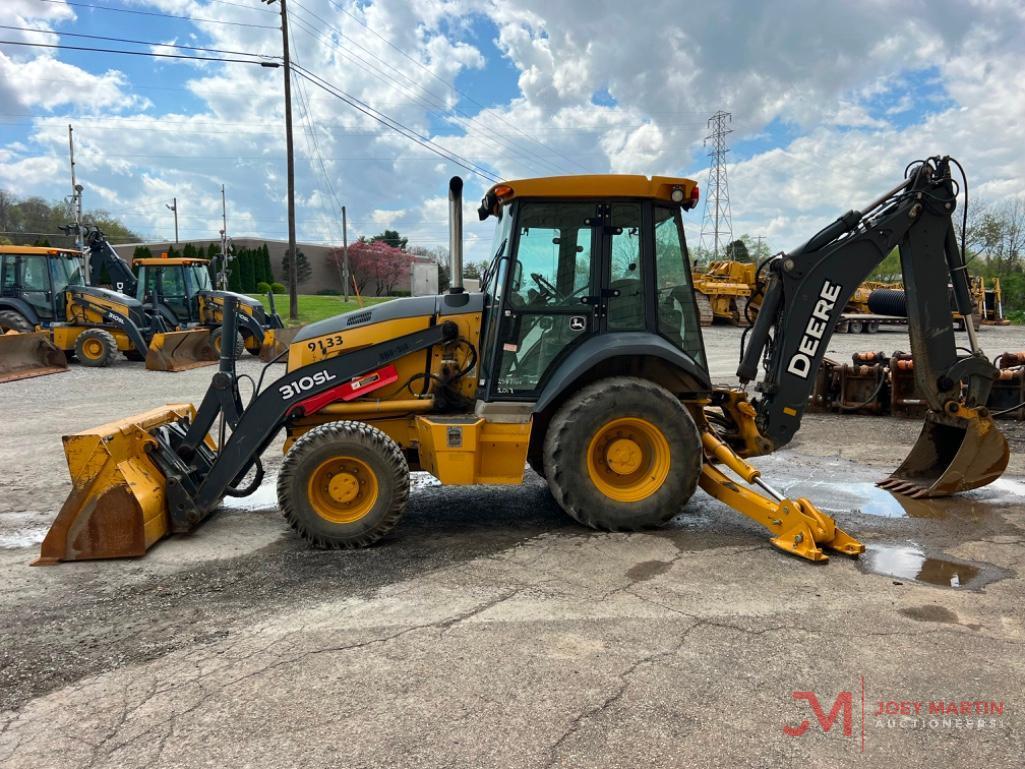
(499, 249)
(67, 271)
(198, 278)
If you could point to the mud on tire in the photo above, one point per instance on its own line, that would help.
(569, 451)
(350, 445)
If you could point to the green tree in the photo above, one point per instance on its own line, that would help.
(392, 238)
(142, 252)
(737, 251)
(247, 267)
(303, 270)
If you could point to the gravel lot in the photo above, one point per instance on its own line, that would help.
(491, 631)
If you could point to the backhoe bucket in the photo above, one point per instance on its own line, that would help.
(117, 506)
(955, 452)
(180, 350)
(276, 341)
(28, 355)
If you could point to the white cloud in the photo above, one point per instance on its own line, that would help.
(817, 69)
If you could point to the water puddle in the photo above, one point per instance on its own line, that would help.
(909, 562)
(869, 499)
(18, 530)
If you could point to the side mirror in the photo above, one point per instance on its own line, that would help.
(517, 276)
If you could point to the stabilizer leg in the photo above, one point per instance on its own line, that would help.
(798, 527)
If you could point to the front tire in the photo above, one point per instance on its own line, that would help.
(15, 321)
(344, 485)
(215, 340)
(622, 454)
(96, 348)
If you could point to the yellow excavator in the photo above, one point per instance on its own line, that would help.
(43, 290)
(581, 356)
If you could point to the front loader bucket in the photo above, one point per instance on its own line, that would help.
(276, 341)
(28, 355)
(117, 504)
(180, 350)
(953, 453)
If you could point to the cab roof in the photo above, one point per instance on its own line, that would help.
(157, 261)
(671, 189)
(595, 186)
(40, 250)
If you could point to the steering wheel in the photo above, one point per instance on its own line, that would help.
(546, 287)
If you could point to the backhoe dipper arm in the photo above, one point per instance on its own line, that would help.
(809, 288)
(102, 254)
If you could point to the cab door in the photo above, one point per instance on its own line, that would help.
(36, 288)
(551, 301)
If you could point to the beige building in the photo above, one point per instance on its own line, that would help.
(325, 275)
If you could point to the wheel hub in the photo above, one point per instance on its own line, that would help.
(343, 487)
(624, 456)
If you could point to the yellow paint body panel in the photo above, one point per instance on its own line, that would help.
(64, 337)
(598, 186)
(117, 506)
(467, 450)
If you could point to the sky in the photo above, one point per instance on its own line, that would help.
(830, 101)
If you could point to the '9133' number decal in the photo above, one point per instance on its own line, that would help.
(325, 344)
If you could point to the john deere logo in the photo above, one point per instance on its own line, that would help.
(577, 323)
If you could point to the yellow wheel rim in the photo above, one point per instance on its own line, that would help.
(217, 344)
(628, 459)
(342, 489)
(92, 349)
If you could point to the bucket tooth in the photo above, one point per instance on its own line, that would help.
(954, 453)
(117, 506)
(29, 355)
(180, 350)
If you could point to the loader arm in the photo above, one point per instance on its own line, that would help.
(809, 287)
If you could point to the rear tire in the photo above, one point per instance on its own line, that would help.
(215, 340)
(96, 348)
(15, 321)
(622, 454)
(344, 485)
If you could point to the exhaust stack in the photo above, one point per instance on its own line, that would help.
(455, 233)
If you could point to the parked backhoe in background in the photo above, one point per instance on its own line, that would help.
(181, 292)
(582, 355)
(43, 290)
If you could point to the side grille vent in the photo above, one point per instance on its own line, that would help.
(358, 318)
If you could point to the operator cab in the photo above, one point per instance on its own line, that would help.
(176, 281)
(575, 258)
(39, 276)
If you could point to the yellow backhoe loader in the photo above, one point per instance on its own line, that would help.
(582, 355)
(43, 290)
(179, 291)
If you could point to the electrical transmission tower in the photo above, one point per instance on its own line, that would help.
(716, 225)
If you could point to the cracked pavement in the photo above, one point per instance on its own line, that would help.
(492, 631)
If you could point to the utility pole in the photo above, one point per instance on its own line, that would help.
(222, 275)
(173, 206)
(716, 223)
(758, 247)
(293, 289)
(76, 202)
(345, 256)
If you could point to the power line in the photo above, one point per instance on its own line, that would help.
(437, 105)
(135, 42)
(452, 88)
(271, 64)
(98, 7)
(397, 126)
